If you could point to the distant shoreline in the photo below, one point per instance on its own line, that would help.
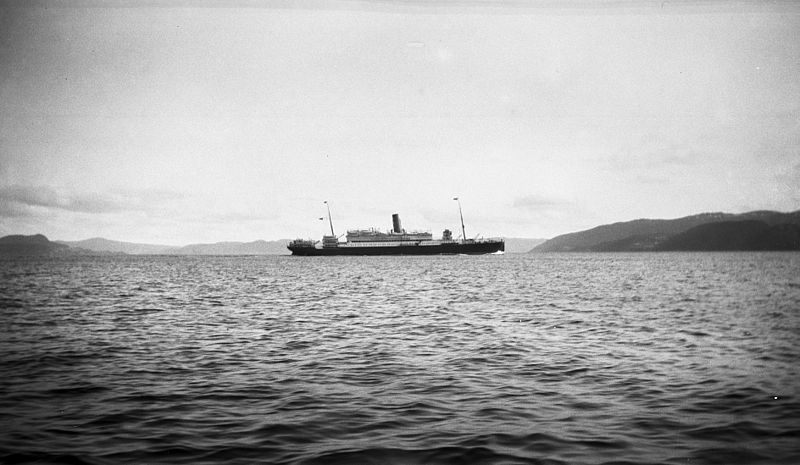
(706, 232)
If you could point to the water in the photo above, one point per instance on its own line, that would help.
(579, 359)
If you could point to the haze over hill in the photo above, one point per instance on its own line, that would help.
(259, 247)
(100, 244)
(758, 230)
(17, 245)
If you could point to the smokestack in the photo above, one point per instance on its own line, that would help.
(396, 223)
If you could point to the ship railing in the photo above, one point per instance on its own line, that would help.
(386, 237)
(303, 242)
(480, 239)
(374, 231)
(382, 244)
(489, 239)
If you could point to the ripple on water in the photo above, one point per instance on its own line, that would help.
(552, 359)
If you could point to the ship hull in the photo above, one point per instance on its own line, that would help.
(454, 248)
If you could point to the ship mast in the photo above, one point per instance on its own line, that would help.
(463, 233)
(329, 217)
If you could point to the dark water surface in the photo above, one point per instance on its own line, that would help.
(578, 359)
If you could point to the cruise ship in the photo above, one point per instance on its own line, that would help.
(396, 241)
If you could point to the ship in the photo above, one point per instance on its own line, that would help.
(396, 241)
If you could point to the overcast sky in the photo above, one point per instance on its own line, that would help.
(165, 123)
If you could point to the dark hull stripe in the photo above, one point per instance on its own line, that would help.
(477, 248)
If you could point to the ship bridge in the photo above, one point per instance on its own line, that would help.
(373, 235)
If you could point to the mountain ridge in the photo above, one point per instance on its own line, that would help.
(258, 247)
(652, 234)
(100, 244)
(17, 245)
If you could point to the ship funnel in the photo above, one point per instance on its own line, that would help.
(396, 223)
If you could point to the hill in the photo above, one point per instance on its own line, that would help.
(658, 234)
(233, 248)
(736, 235)
(98, 244)
(260, 247)
(19, 245)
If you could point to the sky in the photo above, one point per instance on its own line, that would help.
(176, 122)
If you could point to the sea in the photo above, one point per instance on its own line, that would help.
(604, 358)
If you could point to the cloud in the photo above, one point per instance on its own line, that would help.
(778, 141)
(654, 154)
(231, 217)
(22, 198)
(12, 210)
(28, 196)
(539, 203)
(790, 181)
(19, 200)
(25, 201)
